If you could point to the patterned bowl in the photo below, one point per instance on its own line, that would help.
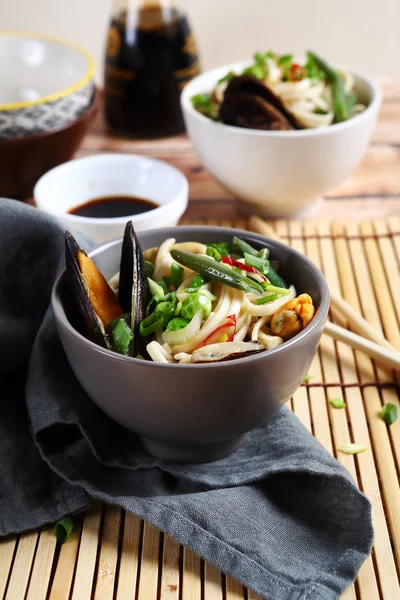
(45, 83)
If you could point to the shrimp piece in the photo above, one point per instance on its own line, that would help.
(292, 317)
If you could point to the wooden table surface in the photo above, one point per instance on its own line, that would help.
(372, 190)
(113, 555)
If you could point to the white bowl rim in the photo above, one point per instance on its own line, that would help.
(320, 131)
(56, 95)
(115, 156)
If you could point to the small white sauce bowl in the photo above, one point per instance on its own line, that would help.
(279, 173)
(76, 182)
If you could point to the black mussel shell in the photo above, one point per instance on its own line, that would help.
(134, 291)
(251, 85)
(93, 325)
(243, 109)
(222, 353)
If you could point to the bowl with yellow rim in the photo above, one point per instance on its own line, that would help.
(45, 83)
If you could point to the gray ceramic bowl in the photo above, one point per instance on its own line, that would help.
(194, 413)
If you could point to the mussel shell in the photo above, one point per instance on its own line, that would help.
(134, 291)
(251, 85)
(219, 352)
(94, 327)
(243, 109)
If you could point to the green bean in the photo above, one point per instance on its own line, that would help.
(274, 278)
(340, 103)
(244, 246)
(216, 271)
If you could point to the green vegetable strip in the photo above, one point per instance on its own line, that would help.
(274, 278)
(256, 262)
(244, 246)
(219, 272)
(196, 283)
(122, 336)
(337, 403)
(267, 299)
(263, 253)
(340, 104)
(273, 288)
(389, 413)
(63, 529)
(151, 324)
(177, 324)
(164, 284)
(155, 288)
(176, 275)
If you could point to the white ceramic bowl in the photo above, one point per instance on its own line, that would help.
(279, 173)
(84, 179)
(44, 83)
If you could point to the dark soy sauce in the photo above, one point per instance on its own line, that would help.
(150, 57)
(113, 206)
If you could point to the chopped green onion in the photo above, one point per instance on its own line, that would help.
(122, 336)
(177, 323)
(163, 282)
(207, 293)
(204, 104)
(151, 323)
(155, 288)
(256, 262)
(112, 324)
(337, 403)
(320, 111)
(263, 253)
(308, 378)
(178, 308)
(194, 303)
(176, 275)
(149, 268)
(167, 310)
(196, 283)
(217, 251)
(274, 278)
(244, 246)
(352, 448)
(228, 77)
(259, 57)
(63, 529)
(266, 299)
(214, 253)
(258, 71)
(273, 288)
(340, 98)
(285, 59)
(389, 413)
(237, 270)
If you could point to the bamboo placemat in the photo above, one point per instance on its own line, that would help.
(113, 555)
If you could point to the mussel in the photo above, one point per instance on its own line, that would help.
(226, 351)
(249, 103)
(134, 291)
(97, 302)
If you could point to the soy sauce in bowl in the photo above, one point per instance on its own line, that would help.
(109, 207)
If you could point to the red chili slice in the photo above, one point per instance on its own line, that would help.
(228, 328)
(235, 263)
(297, 73)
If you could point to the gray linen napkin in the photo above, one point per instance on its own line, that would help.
(281, 515)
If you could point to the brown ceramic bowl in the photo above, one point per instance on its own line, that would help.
(24, 160)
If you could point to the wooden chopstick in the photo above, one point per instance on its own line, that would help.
(358, 323)
(385, 356)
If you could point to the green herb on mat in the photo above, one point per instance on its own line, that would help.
(389, 413)
(308, 378)
(63, 529)
(337, 403)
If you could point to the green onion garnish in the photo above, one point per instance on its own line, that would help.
(163, 282)
(63, 529)
(268, 287)
(274, 278)
(337, 403)
(178, 308)
(204, 104)
(308, 378)
(196, 283)
(151, 323)
(149, 268)
(167, 310)
(177, 323)
(243, 246)
(263, 253)
(256, 262)
(155, 288)
(228, 77)
(176, 275)
(389, 413)
(122, 335)
(266, 299)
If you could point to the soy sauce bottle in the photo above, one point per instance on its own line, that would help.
(150, 56)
